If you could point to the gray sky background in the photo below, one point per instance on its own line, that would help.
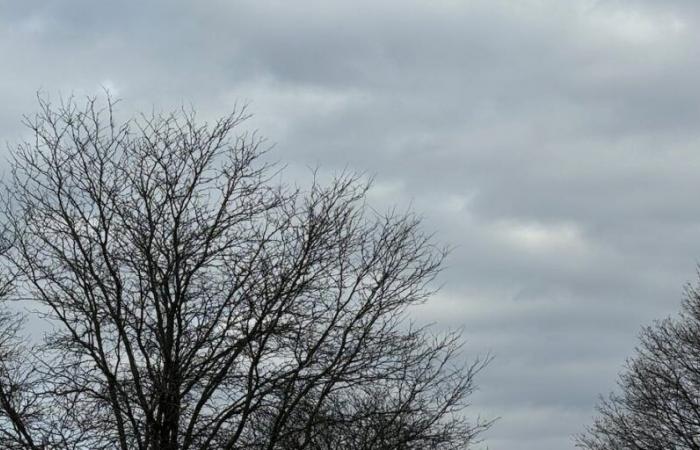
(554, 143)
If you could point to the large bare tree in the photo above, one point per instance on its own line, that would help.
(657, 405)
(194, 303)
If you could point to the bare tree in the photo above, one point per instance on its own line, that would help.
(658, 403)
(196, 304)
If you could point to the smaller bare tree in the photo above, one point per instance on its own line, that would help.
(658, 403)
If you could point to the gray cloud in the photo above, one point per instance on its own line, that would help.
(555, 144)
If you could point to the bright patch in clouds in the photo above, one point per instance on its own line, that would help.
(538, 237)
(636, 26)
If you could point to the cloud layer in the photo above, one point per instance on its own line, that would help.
(554, 144)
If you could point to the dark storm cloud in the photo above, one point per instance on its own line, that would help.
(555, 144)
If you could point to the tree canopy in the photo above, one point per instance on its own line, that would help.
(195, 303)
(657, 405)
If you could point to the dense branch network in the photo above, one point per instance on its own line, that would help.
(195, 304)
(657, 405)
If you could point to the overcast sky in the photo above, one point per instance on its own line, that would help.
(554, 143)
